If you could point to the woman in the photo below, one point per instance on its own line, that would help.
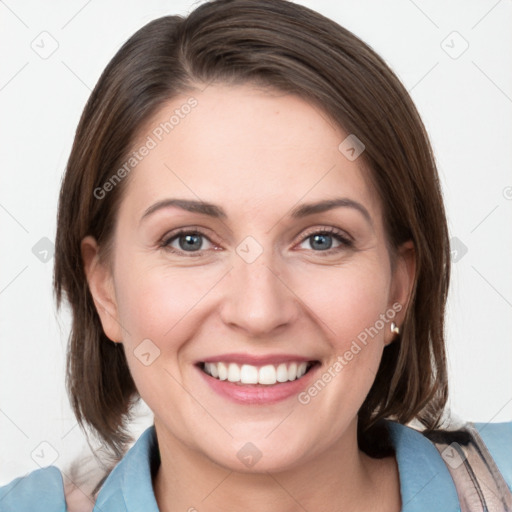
(252, 238)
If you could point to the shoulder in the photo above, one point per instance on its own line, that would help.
(128, 487)
(498, 440)
(425, 482)
(47, 490)
(41, 490)
(429, 471)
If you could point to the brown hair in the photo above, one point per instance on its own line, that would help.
(290, 48)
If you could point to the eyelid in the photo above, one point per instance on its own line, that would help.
(345, 240)
(331, 230)
(169, 237)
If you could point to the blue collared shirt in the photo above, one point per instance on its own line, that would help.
(425, 482)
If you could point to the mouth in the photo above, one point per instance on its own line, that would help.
(258, 379)
(257, 375)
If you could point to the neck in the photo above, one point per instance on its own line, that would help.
(188, 480)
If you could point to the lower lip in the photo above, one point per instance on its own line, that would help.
(259, 393)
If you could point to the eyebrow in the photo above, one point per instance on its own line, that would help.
(298, 212)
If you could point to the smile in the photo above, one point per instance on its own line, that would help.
(266, 375)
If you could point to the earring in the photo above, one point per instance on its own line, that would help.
(394, 328)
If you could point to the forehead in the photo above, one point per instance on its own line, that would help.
(246, 148)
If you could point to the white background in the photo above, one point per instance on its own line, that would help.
(466, 104)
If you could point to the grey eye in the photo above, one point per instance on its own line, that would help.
(190, 242)
(321, 241)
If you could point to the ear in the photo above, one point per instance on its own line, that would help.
(401, 285)
(101, 285)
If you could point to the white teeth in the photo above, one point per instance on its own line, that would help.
(214, 371)
(249, 374)
(282, 373)
(233, 372)
(267, 375)
(292, 371)
(301, 369)
(222, 370)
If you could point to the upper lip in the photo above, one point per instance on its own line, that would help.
(256, 360)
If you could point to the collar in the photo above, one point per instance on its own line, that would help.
(425, 482)
(129, 487)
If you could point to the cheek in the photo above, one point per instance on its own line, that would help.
(348, 303)
(347, 299)
(157, 305)
(153, 300)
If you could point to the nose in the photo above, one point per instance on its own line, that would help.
(257, 299)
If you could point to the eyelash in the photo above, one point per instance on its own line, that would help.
(345, 242)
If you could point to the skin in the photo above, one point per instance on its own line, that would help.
(256, 154)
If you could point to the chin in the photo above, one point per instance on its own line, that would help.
(259, 456)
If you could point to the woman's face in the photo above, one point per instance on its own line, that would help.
(247, 239)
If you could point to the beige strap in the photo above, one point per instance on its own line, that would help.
(479, 483)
